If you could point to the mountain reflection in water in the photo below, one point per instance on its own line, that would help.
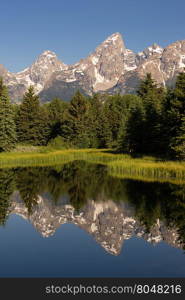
(110, 209)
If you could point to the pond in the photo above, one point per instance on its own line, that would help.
(76, 220)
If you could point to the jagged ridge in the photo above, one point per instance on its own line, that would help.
(110, 68)
(109, 223)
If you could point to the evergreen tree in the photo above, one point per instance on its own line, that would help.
(122, 140)
(153, 122)
(32, 123)
(6, 189)
(174, 117)
(75, 127)
(178, 143)
(7, 123)
(115, 108)
(153, 102)
(146, 85)
(56, 111)
(95, 120)
(133, 131)
(29, 182)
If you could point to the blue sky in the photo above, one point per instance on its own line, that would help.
(73, 28)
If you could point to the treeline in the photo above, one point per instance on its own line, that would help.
(152, 122)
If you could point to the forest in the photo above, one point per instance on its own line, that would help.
(150, 122)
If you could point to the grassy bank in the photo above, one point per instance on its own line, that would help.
(148, 170)
(120, 165)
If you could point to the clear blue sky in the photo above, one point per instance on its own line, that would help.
(73, 28)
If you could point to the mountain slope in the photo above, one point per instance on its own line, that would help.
(108, 222)
(111, 68)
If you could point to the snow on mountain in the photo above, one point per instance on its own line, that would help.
(108, 222)
(41, 70)
(110, 68)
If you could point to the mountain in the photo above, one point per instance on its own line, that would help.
(108, 222)
(111, 68)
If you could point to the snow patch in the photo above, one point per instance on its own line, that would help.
(23, 71)
(79, 71)
(182, 61)
(93, 227)
(98, 76)
(129, 68)
(83, 66)
(158, 50)
(95, 60)
(155, 239)
(48, 54)
(140, 53)
(98, 209)
(113, 38)
(28, 80)
(70, 79)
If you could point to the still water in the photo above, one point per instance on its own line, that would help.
(78, 221)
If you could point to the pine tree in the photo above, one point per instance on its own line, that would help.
(7, 186)
(178, 143)
(94, 121)
(75, 127)
(146, 85)
(32, 123)
(56, 110)
(7, 123)
(174, 116)
(122, 142)
(153, 101)
(133, 141)
(130, 134)
(153, 104)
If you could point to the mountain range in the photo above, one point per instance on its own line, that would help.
(109, 223)
(111, 68)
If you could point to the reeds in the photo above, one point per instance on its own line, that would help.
(148, 169)
(120, 165)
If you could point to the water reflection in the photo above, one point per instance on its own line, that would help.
(110, 209)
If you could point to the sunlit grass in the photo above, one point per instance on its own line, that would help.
(119, 165)
(148, 169)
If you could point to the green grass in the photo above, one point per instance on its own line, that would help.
(119, 165)
(148, 170)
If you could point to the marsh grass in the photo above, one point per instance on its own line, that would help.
(119, 165)
(148, 170)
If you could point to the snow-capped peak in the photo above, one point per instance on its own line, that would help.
(114, 39)
(153, 49)
(48, 53)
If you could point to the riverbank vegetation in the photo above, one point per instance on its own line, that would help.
(118, 165)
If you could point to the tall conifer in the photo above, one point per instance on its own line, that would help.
(32, 120)
(7, 123)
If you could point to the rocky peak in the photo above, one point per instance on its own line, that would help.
(111, 68)
(46, 60)
(129, 61)
(37, 75)
(108, 222)
(105, 65)
(173, 61)
(153, 51)
(48, 53)
(115, 40)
